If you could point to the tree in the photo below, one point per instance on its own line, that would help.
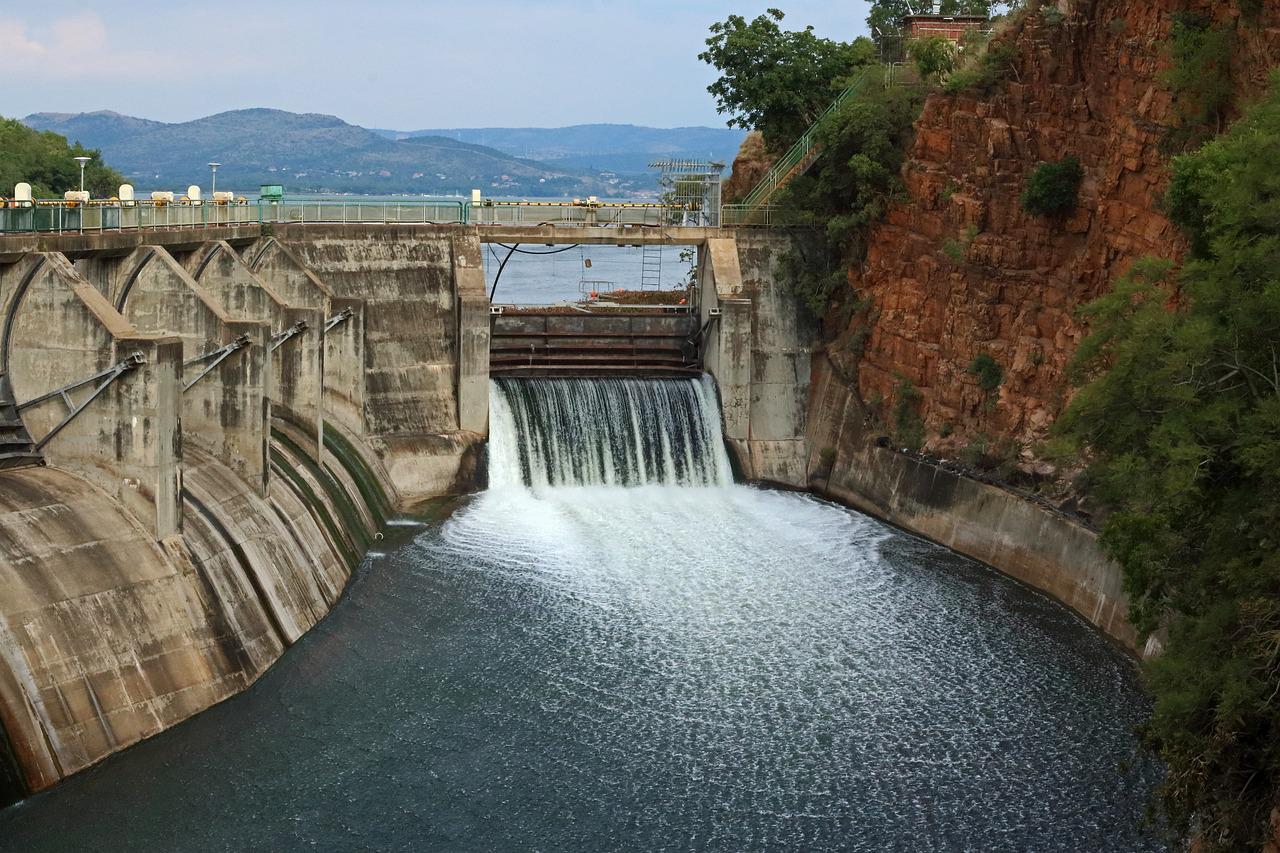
(1183, 417)
(864, 143)
(778, 81)
(47, 162)
(934, 57)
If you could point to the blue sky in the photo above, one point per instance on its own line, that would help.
(382, 63)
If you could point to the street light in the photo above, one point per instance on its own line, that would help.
(82, 161)
(214, 184)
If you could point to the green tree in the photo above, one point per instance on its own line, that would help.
(774, 80)
(934, 57)
(864, 144)
(1183, 417)
(47, 162)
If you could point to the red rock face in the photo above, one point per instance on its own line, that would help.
(1090, 87)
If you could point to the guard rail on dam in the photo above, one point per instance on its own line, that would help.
(51, 216)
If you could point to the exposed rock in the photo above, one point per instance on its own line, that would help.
(1088, 87)
(751, 164)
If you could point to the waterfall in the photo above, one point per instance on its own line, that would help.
(605, 432)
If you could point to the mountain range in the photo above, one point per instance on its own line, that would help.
(621, 148)
(320, 153)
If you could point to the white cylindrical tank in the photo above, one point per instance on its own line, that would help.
(221, 197)
(22, 192)
(76, 195)
(125, 193)
(193, 192)
(162, 195)
(475, 196)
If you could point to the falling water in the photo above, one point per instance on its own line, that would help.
(606, 432)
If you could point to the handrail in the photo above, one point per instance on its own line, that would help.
(104, 215)
(794, 161)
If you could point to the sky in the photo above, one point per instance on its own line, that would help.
(396, 64)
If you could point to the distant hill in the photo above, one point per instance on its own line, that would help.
(621, 148)
(310, 153)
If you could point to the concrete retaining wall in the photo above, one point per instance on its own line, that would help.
(1018, 537)
(759, 352)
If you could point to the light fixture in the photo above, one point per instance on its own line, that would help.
(213, 188)
(82, 160)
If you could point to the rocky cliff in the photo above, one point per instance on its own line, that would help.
(959, 269)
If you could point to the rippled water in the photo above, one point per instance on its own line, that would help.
(595, 668)
(650, 669)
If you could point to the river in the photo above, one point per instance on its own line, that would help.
(685, 664)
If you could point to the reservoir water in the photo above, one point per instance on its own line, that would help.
(615, 648)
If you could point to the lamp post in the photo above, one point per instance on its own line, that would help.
(213, 184)
(82, 161)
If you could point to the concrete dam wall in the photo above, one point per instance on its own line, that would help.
(255, 407)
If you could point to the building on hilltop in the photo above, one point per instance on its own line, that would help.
(951, 27)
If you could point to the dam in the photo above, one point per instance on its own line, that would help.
(614, 647)
(442, 576)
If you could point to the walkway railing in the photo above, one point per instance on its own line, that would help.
(61, 216)
(51, 216)
(354, 211)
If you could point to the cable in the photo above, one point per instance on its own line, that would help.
(516, 248)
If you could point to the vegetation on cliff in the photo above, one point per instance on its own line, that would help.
(778, 81)
(47, 162)
(1183, 417)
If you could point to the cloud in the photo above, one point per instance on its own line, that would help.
(81, 47)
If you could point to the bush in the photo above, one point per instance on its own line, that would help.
(987, 69)
(908, 427)
(1199, 79)
(989, 372)
(933, 57)
(1054, 188)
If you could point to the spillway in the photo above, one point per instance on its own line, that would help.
(606, 432)
(616, 648)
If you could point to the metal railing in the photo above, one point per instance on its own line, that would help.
(52, 216)
(806, 149)
(585, 213)
(765, 216)
(60, 216)
(356, 211)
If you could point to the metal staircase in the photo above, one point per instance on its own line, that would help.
(16, 447)
(807, 149)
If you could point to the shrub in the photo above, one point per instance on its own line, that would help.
(988, 68)
(989, 372)
(933, 57)
(1054, 188)
(1200, 80)
(908, 427)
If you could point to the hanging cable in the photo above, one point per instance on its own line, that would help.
(511, 250)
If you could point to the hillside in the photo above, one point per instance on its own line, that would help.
(307, 153)
(621, 148)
